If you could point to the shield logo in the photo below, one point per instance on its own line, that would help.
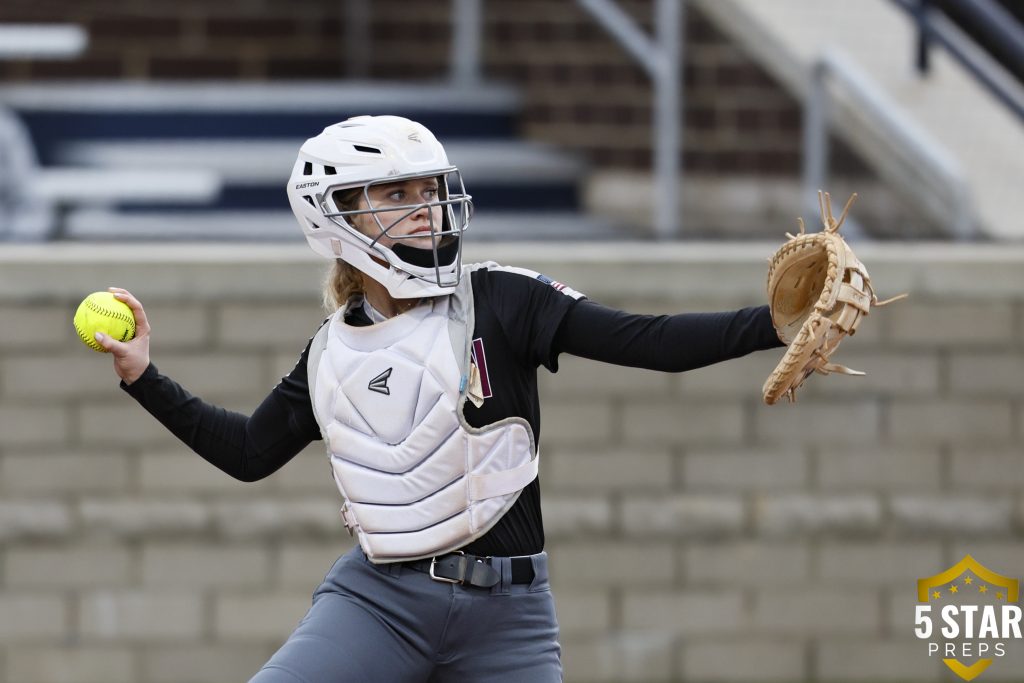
(968, 582)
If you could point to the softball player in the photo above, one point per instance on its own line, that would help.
(422, 383)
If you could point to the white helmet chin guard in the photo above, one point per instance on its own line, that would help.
(365, 151)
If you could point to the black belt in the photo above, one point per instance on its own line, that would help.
(460, 567)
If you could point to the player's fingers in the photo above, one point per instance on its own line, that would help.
(141, 322)
(112, 345)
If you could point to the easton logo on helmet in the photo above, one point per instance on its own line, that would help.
(380, 383)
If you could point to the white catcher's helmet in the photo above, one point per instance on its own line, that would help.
(364, 151)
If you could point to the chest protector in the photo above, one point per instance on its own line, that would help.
(418, 481)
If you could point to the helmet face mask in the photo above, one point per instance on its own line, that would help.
(364, 154)
(377, 223)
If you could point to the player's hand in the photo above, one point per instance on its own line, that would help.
(131, 358)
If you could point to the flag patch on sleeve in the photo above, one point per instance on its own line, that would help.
(559, 286)
(555, 284)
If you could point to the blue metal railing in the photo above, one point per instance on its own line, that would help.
(1000, 28)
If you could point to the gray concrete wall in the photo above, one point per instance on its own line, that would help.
(695, 534)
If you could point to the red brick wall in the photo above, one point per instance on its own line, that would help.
(580, 87)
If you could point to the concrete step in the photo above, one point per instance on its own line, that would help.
(958, 116)
(88, 225)
(246, 136)
(269, 162)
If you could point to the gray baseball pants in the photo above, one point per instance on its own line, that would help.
(392, 624)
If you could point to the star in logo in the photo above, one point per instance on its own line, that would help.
(947, 584)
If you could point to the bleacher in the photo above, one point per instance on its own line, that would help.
(563, 151)
(211, 160)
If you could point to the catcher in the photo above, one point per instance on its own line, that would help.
(422, 383)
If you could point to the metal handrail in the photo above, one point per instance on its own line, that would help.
(999, 26)
(658, 56)
(929, 157)
(467, 29)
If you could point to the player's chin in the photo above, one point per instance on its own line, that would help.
(424, 242)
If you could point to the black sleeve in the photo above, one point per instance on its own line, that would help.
(529, 307)
(671, 343)
(248, 448)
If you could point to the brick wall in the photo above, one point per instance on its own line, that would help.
(695, 534)
(581, 90)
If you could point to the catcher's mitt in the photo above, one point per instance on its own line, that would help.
(818, 291)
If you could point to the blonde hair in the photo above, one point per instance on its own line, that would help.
(343, 282)
(343, 279)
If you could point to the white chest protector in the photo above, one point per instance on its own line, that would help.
(417, 479)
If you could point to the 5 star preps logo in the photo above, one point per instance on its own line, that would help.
(969, 616)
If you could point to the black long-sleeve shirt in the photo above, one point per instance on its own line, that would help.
(522, 320)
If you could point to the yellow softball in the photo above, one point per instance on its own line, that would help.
(101, 312)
